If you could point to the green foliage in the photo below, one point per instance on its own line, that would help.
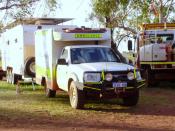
(129, 14)
(24, 8)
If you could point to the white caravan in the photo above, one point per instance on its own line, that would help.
(17, 47)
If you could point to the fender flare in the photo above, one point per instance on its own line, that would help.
(74, 77)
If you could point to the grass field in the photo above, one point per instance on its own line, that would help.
(34, 102)
(156, 104)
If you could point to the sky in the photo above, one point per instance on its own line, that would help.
(77, 9)
(80, 10)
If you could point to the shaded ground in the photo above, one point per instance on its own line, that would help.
(155, 112)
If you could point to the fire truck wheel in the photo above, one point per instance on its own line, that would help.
(76, 96)
(149, 78)
(131, 100)
(30, 66)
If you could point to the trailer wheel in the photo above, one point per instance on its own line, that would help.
(30, 66)
(9, 75)
(15, 78)
(76, 96)
(131, 100)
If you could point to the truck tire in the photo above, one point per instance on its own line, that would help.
(49, 92)
(30, 66)
(76, 96)
(131, 100)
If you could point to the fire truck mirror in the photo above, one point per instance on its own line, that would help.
(129, 44)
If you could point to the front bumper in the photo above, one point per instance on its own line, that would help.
(105, 90)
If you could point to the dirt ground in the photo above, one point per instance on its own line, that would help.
(148, 115)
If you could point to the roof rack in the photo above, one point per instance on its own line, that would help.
(37, 21)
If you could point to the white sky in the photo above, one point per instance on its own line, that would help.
(78, 9)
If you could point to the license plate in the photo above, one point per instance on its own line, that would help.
(119, 84)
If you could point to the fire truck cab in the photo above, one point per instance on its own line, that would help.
(156, 52)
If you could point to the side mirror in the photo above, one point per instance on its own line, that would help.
(61, 62)
(129, 45)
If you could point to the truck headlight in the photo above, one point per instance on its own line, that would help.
(108, 77)
(130, 76)
(92, 77)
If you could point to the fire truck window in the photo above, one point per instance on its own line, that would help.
(166, 38)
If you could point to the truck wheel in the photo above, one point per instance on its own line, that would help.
(76, 96)
(49, 93)
(131, 100)
(30, 66)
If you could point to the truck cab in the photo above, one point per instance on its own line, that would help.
(91, 70)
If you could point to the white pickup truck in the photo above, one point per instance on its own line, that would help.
(85, 68)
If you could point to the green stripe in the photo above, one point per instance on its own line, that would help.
(141, 85)
(93, 83)
(92, 88)
(43, 71)
(103, 75)
(135, 75)
(43, 33)
(157, 63)
(112, 88)
(88, 35)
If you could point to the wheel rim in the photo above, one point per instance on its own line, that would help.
(32, 67)
(72, 94)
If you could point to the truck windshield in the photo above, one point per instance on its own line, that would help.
(93, 54)
(161, 38)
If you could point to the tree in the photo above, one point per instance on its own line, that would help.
(127, 15)
(15, 9)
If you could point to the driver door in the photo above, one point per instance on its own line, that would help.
(62, 71)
